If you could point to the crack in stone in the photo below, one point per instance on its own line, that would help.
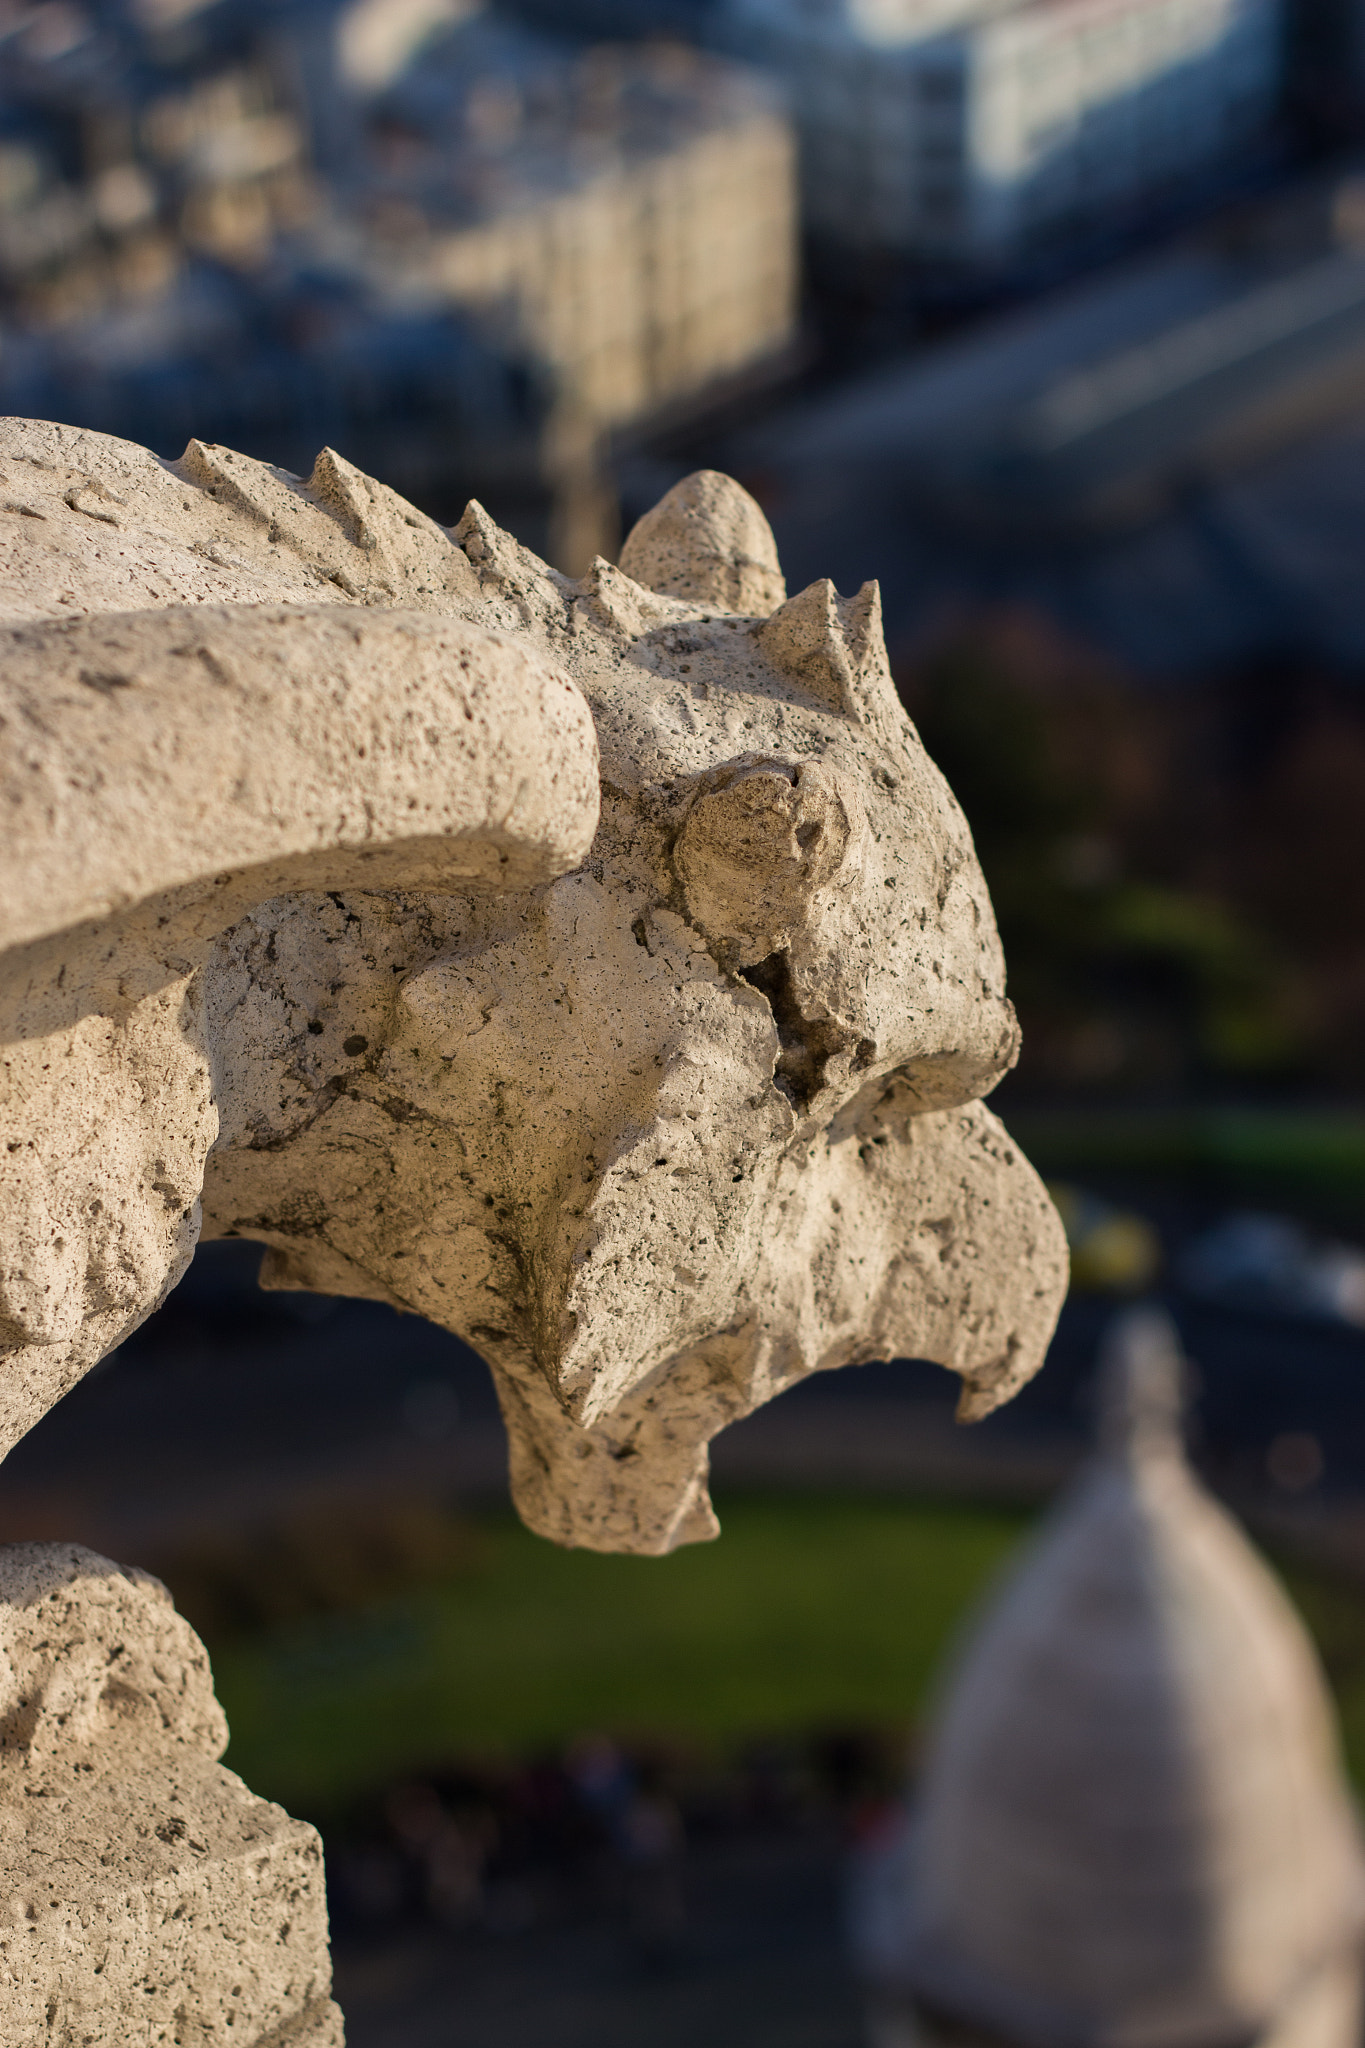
(808, 1043)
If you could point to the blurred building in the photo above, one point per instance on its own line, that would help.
(973, 131)
(629, 214)
(458, 247)
(1132, 1824)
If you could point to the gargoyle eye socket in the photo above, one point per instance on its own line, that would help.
(756, 848)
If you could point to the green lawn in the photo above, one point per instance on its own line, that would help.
(807, 1611)
(1305, 1157)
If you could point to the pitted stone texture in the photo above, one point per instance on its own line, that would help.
(201, 760)
(150, 1912)
(146, 1897)
(660, 1135)
(708, 541)
(89, 523)
(91, 1652)
(167, 769)
(106, 1118)
(675, 1130)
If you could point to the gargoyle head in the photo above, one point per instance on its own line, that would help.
(312, 909)
(700, 1117)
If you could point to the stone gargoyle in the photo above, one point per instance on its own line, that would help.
(315, 933)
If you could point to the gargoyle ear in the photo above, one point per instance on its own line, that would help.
(708, 541)
(832, 647)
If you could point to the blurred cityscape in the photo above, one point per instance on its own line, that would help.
(1050, 314)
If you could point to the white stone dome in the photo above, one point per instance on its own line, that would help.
(1132, 1826)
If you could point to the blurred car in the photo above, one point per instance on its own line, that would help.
(1274, 1264)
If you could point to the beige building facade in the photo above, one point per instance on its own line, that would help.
(645, 247)
(651, 280)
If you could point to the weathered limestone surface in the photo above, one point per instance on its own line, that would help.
(659, 1136)
(99, 525)
(148, 1898)
(709, 542)
(163, 770)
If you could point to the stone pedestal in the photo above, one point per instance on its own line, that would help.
(147, 1898)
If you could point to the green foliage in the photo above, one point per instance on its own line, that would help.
(1242, 994)
(1125, 965)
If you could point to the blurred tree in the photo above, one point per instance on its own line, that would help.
(1108, 828)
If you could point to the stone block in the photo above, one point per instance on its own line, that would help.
(147, 1898)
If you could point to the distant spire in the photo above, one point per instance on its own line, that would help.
(1142, 1382)
(1131, 1823)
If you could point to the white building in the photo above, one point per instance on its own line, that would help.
(971, 130)
(1132, 1829)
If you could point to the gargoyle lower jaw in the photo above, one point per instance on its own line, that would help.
(894, 1231)
(900, 1234)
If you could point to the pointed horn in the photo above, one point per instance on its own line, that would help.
(708, 541)
(831, 646)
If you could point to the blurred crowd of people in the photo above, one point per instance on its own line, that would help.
(601, 1830)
